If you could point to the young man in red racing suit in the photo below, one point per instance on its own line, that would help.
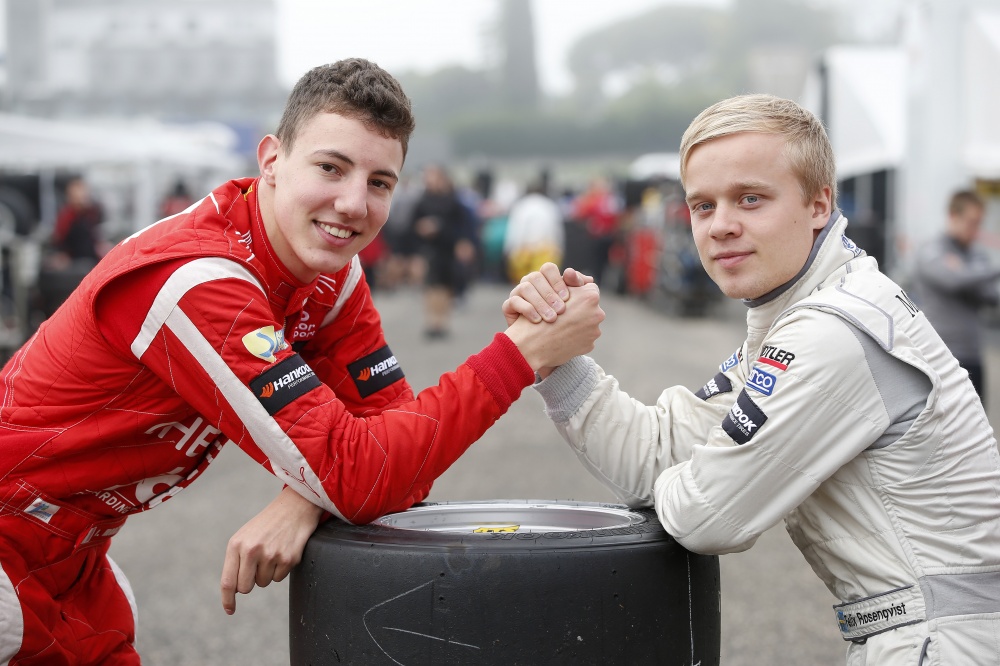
(244, 319)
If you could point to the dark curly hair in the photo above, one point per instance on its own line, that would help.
(353, 87)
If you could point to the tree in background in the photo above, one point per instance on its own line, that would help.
(637, 82)
(670, 45)
(519, 71)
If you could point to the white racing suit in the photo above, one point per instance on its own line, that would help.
(845, 414)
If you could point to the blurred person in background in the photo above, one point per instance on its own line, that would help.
(955, 280)
(401, 267)
(75, 246)
(374, 258)
(597, 208)
(534, 233)
(492, 235)
(77, 232)
(440, 228)
(246, 321)
(469, 249)
(177, 201)
(842, 413)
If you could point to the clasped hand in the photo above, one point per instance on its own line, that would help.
(568, 307)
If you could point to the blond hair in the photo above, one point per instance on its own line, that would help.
(807, 146)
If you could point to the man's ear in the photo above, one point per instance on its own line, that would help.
(267, 154)
(822, 207)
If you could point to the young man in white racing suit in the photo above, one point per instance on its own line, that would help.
(842, 412)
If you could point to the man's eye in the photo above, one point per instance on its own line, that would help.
(751, 199)
(381, 184)
(329, 168)
(702, 207)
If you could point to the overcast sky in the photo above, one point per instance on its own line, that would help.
(426, 34)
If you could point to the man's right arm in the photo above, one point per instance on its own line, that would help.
(192, 336)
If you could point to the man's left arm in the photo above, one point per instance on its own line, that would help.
(350, 331)
(349, 341)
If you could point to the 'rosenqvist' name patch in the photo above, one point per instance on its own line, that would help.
(744, 419)
(882, 612)
(716, 385)
(375, 371)
(283, 383)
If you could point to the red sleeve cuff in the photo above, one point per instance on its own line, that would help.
(502, 368)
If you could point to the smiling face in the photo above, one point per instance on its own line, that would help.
(751, 224)
(327, 197)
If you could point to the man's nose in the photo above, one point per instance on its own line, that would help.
(725, 222)
(352, 199)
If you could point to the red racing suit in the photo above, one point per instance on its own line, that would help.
(191, 334)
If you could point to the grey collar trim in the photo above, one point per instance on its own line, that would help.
(778, 291)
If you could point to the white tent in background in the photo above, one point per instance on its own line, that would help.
(140, 157)
(34, 143)
(656, 165)
(864, 107)
(924, 111)
(130, 165)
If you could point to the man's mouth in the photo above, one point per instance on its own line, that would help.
(729, 259)
(335, 231)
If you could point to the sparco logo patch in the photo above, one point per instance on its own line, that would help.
(718, 384)
(760, 381)
(375, 371)
(283, 383)
(743, 420)
(264, 342)
(776, 358)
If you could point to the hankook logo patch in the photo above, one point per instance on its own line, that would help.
(375, 371)
(283, 383)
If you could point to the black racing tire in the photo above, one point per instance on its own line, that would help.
(573, 583)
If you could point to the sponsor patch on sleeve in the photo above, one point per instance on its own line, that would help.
(761, 381)
(732, 360)
(283, 383)
(716, 385)
(776, 357)
(375, 371)
(264, 342)
(744, 419)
